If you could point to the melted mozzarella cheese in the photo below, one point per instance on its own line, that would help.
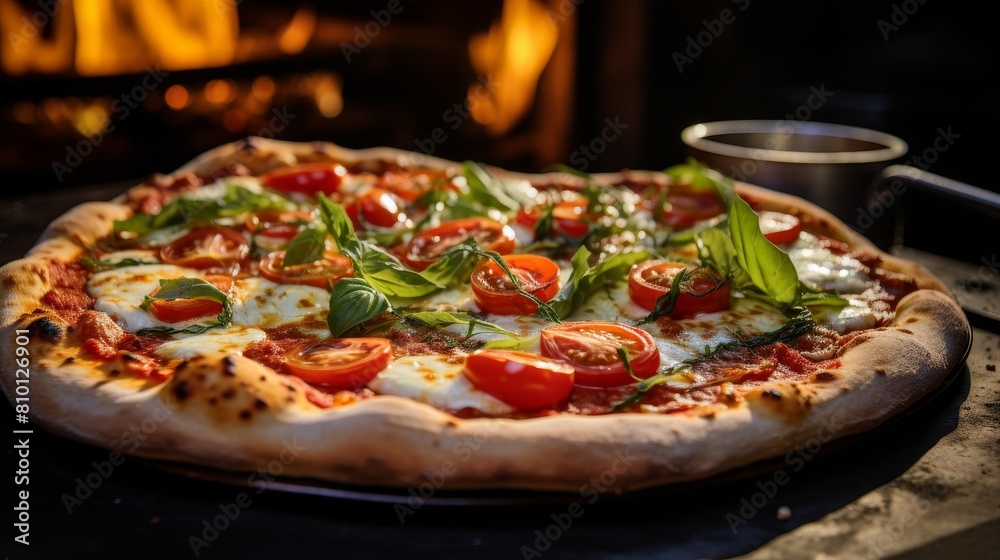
(142, 255)
(822, 269)
(231, 341)
(258, 302)
(435, 381)
(121, 291)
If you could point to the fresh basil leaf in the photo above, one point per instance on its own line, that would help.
(666, 303)
(812, 297)
(455, 264)
(99, 265)
(187, 210)
(442, 319)
(307, 246)
(543, 226)
(768, 267)
(701, 176)
(189, 288)
(353, 302)
(586, 279)
(485, 188)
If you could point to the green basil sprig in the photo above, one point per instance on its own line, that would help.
(352, 303)
(307, 246)
(189, 288)
(587, 279)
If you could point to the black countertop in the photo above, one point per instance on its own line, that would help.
(923, 487)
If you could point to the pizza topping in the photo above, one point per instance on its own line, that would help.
(520, 379)
(567, 218)
(780, 228)
(320, 273)
(698, 290)
(376, 207)
(182, 299)
(427, 246)
(340, 363)
(682, 206)
(309, 178)
(208, 248)
(592, 349)
(537, 278)
(438, 381)
(352, 303)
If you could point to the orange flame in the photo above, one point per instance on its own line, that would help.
(511, 56)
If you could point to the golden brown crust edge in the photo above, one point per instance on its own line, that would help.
(397, 442)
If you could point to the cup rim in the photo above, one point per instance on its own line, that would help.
(698, 136)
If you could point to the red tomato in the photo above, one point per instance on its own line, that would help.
(340, 363)
(703, 292)
(591, 347)
(321, 273)
(685, 206)
(177, 310)
(308, 178)
(206, 247)
(409, 185)
(495, 293)
(780, 228)
(377, 207)
(278, 224)
(427, 246)
(520, 379)
(569, 217)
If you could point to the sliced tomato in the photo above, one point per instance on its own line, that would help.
(207, 247)
(340, 363)
(703, 292)
(591, 348)
(321, 273)
(683, 206)
(177, 310)
(377, 207)
(427, 246)
(780, 228)
(284, 224)
(308, 178)
(569, 217)
(409, 185)
(520, 379)
(493, 291)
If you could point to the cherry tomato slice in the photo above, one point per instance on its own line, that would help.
(377, 207)
(520, 379)
(703, 292)
(685, 206)
(493, 291)
(321, 273)
(409, 185)
(177, 310)
(308, 178)
(206, 247)
(780, 228)
(340, 363)
(279, 224)
(591, 348)
(569, 217)
(427, 246)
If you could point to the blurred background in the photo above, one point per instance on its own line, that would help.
(96, 91)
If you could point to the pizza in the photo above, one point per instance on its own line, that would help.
(380, 317)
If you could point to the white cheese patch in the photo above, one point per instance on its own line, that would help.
(433, 380)
(855, 316)
(164, 236)
(142, 255)
(822, 269)
(121, 291)
(258, 302)
(230, 341)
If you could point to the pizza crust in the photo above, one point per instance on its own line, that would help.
(230, 412)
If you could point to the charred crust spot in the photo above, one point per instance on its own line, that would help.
(249, 144)
(912, 320)
(114, 372)
(709, 415)
(259, 404)
(880, 370)
(69, 360)
(200, 376)
(8, 281)
(771, 394)
(824, 376)
(46, 329)
(451, 424)
(245, 414)
(180, 367)
(229, 393)
(182, 391)
(128, 358)
(228, 366)
(213, 401)
(69, 329)
(290, 387)
(907, 331)
(263, 378)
